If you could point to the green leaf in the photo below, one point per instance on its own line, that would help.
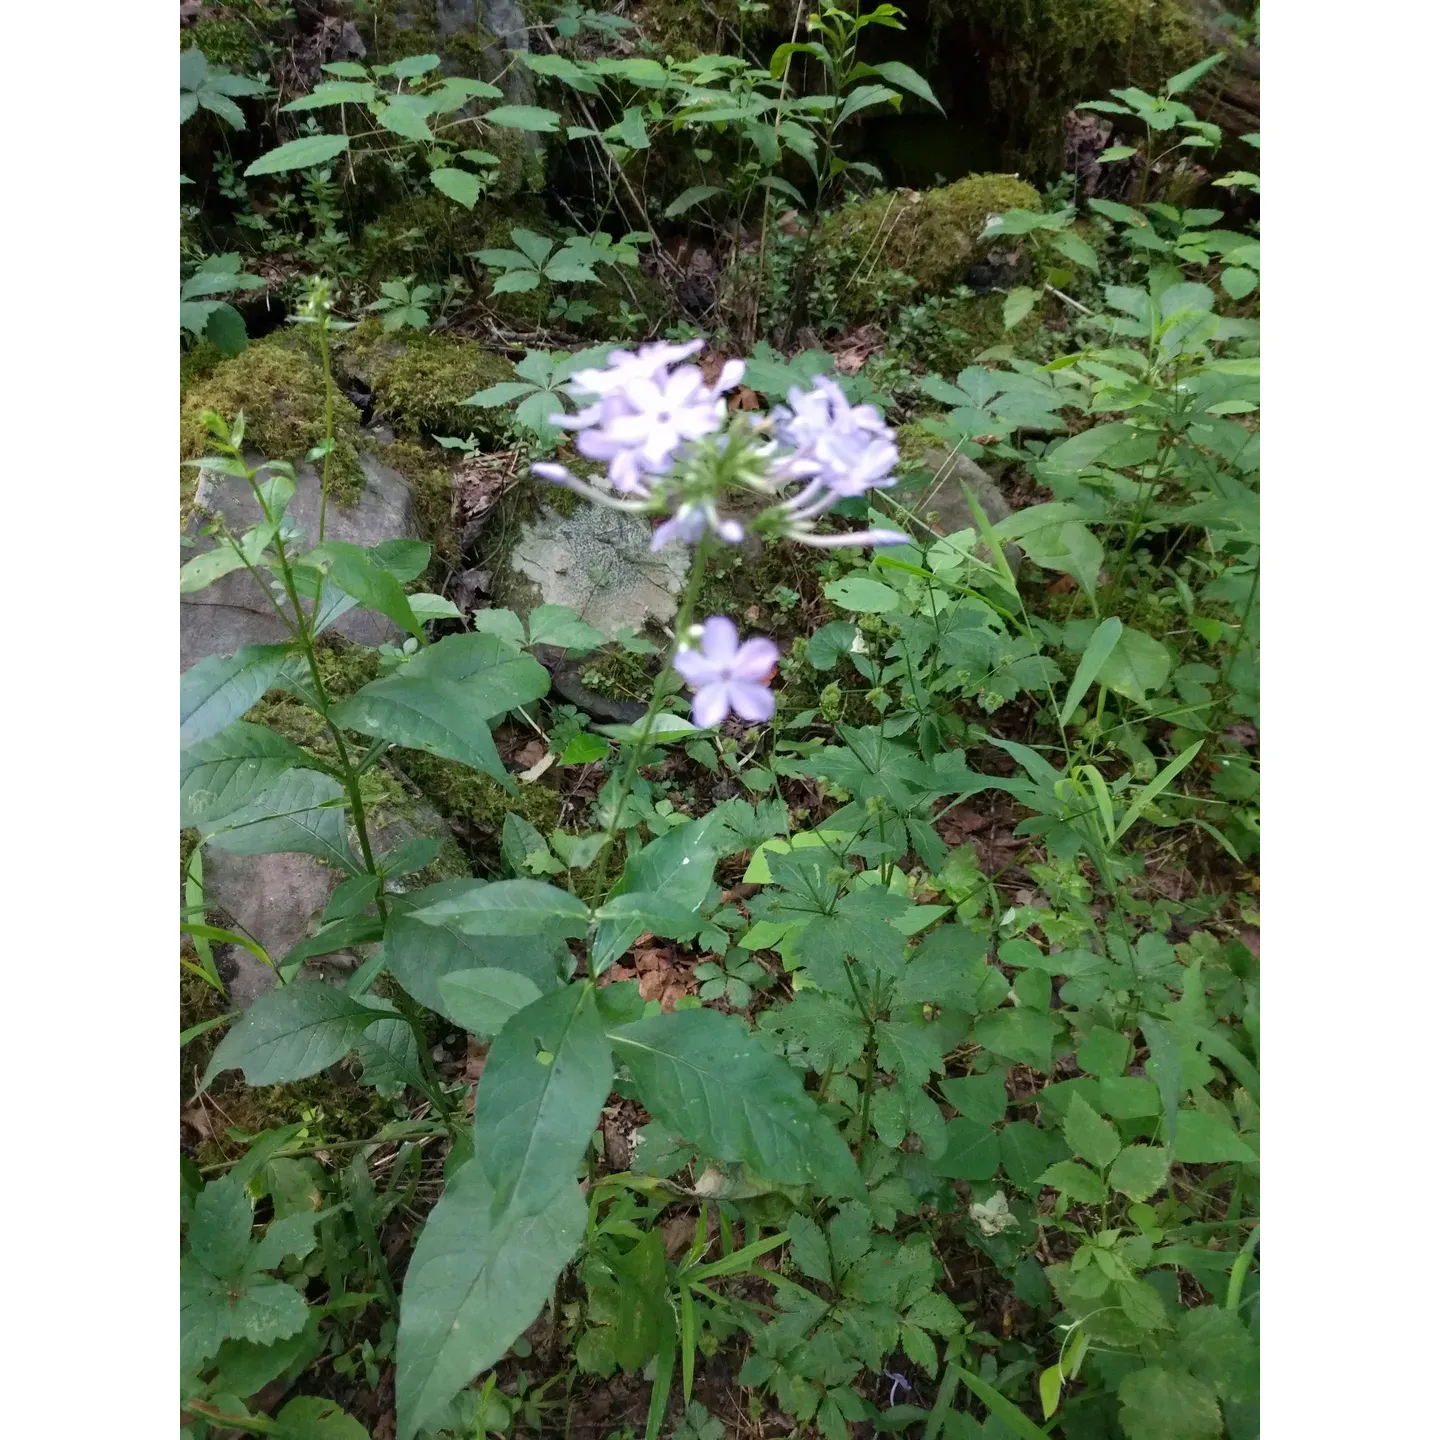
(1161, 1404)
(584, 749)
(1177, 84)
(1069, 548)
(972, 1151)
(511, 907)
(1104, 1052)
(1077, 1181)
(523, 117)
(220, 688)
(260, 1311)
(334, 92)
(310, 1417)
(413, 66)
(1218, 1349)
(1077, 250)
(546, 1077)
(659, 914)
(515, 282)
(301, 154)
(688, 199)
(483, 1000)
(478, 1277)
(418, 954)
(362, 577)
(1018, 1034)
(1010, 1415)
(1090, 1136)
(864, 96)
(291, 1034)
(855, 592)
(501, 393)
(704, 1076)
(302, 813)
(1026, 1151)
(808, 1248)
(220, 1224)
(1139, 1171)
(442, 700)
(1238, 282)
(403, 116)
(1018, 304)
(1205, 1139)
(1136, 665)
(459, 185)
(978, 1097)
(1082, 451)
(1097, 651)
(223, 773)
(903, 76)
(560, 625)
(225, 330)
(631, 129)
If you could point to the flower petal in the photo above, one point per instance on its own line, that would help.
(712, 705)
(755, 659)
(750, 701)
(720, 639)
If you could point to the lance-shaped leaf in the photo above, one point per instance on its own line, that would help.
(221, 688)
(301, 812)
(511, 907)
(301, 154)
(291, 1034)
(360, 575)
(477, 1278)
(705, 1077)
(221, 774)
(546, 1077)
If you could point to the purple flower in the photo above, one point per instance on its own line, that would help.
(645, 412)
(726, 675)
(846, 449)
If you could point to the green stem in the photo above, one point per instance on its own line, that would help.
(683, 618)
(1240, 1268)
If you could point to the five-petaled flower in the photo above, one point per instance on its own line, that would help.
(726, 675)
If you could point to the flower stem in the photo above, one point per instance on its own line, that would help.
(683, 618)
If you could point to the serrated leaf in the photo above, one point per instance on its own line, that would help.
(478, 1277)
(291, 1033)
(523, 117)
(1077, 1181)
(1162, 1404)
(405, 115)
(1089, 1135)
(312, 1417)
(560, 625)
(334, 92)
(459, 185)
(301, 154)
(808, 1248)
(1204, 1139)
(220, 1223)
(1139, 1171)
(1018, 1034)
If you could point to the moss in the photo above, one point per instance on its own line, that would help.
(428, 476)
(197, 361)
(929, 235)
(344, 668)
(229, 42)
(420, 379)
(1044, 56)
(461, 793)
(280, 387)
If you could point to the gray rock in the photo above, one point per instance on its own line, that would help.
(599, 563)
(233, 612)
(278, 899)
(945, 504)
(271, 898)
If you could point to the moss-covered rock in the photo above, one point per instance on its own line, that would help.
(280, 386)
(419, 379)
(929, 235)
(1041, 57)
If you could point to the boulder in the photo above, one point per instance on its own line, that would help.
(946, 505)
(599, 563)
(233, 612)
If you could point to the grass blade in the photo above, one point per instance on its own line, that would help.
(1156, 786)
(997, 1404)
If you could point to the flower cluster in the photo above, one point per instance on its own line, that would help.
(669, 448)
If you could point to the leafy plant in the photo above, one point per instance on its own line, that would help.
(203, 314)
(403, 304)
(210, 87)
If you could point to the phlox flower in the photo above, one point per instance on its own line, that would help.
(727, 676)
